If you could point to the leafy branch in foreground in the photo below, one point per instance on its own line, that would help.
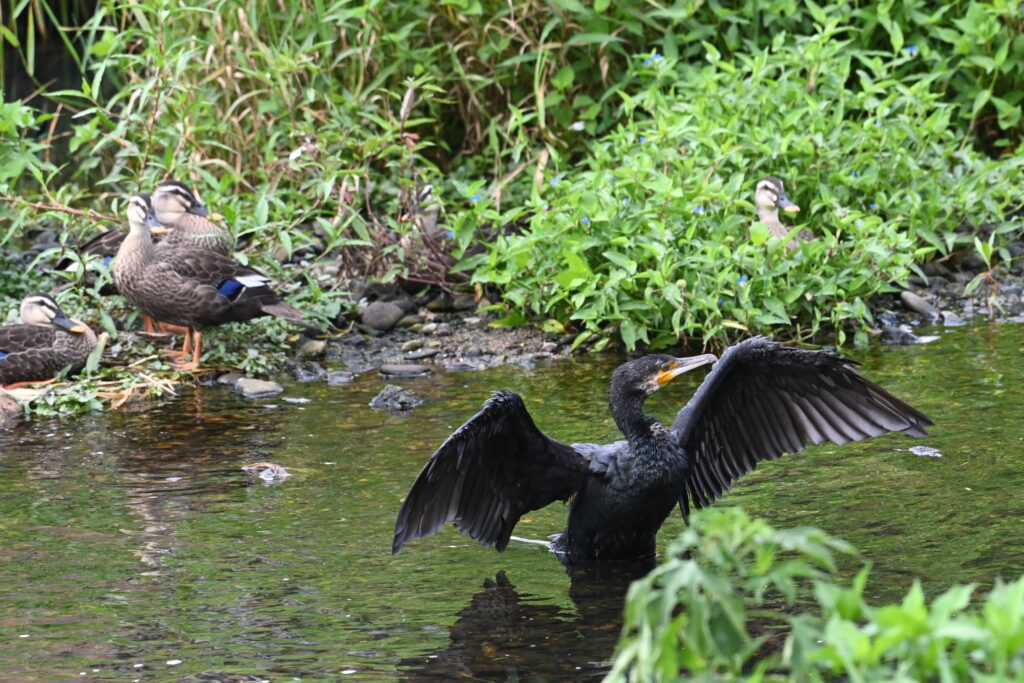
(738, 600)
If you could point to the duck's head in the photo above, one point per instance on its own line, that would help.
(172, 199)
(770, 196)
(40, 309)
(141, 215)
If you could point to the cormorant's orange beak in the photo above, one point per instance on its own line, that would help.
(678, 366)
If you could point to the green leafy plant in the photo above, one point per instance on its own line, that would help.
(733, 601)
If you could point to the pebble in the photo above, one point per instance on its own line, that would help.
(10, 410)
(257, 388)
(429, 328)
(412, 345)
(473, 352)
(381, 315)
(394, 397)
(471, 320)
(312, 347)
(919, 306)
(338, 377)
(442, 330)
(410, 321)
(420, 355)
(464, 302)
(951, 319)
(267, 471)
(549, 347)
(229, 379)
(403, 370)
(309, 372)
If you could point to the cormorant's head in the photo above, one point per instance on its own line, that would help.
(771, 196)
(646, 375)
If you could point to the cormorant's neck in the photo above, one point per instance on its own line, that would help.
(628, 412)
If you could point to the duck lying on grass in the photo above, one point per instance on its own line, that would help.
(45, 343)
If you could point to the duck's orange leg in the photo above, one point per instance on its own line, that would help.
(197, 351)
(186, 348)
(172, 329)
(29, 382)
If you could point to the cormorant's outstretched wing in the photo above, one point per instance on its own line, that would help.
(488, 474)
(763, 399)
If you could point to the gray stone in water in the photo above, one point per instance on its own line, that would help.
(257, 388)
(919, 306)
(404, 370)
(393, 397)
(420, 355)
(382, 315)
(338, 377)
(309, 372)
(10, 410)
(229, 379)
(951, 319)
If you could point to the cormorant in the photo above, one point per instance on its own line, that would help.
(759, 401)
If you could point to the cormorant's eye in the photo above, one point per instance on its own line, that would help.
(666, 366)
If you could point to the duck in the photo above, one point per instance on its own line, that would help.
(770, 196)
(184, 222)
(189, 222)
(193, 288)
(46, 342)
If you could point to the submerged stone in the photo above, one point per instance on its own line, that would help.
(394, 397)
(10, 410)
(257, 388)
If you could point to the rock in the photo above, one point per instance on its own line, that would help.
(549, 347)
(483, 304)
(412, 345)
(338, 377)
(269, 472)
(409, 321)
(312, 347)
(441, 303)
(425, 353)
(473, 352)
(429, 328)
(403, 370)
(904, 336)
(10, 410)
(229, 379)
(442, 330)
(471, 320)
(257, 388)
(919, 306)
(405, 303)
(463, 302)
(381, 315)
(973, 262)
(951, 319)
(394, 397)
(309, 372)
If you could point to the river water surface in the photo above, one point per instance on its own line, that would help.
(132, 547)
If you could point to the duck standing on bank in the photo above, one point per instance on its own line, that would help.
(45, 343)
(759, 401)
(191, 287)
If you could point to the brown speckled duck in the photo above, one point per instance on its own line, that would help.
(769, 197)
(46, 342)
(185, 218)
(188, 220)
(194, 288)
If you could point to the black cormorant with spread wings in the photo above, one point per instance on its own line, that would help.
(759, 401)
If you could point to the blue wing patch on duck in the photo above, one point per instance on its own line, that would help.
(230, 288)
(107, 259)
(3, 354)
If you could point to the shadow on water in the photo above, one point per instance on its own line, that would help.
(133, 547)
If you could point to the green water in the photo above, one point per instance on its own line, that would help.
(131, 540)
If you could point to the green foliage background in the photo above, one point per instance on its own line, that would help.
(603, 156)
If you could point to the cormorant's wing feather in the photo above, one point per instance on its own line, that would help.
(489, 473)
(763, 399)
